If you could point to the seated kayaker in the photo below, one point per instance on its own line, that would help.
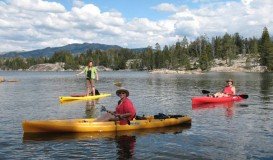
(229, 90)
(125, 110)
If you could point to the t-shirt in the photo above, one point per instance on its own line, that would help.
(126, 107)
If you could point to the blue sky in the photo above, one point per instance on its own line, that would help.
(35, 24)
(140, 8)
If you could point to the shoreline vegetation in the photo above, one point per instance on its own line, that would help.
(239, 65)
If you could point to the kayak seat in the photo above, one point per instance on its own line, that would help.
(140, 117)
(163, 116)
(160, 116)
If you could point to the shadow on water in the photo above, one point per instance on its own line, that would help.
(125, 140)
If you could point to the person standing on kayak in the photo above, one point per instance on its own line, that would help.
(125, 110)
(91, 75)
(229, 90)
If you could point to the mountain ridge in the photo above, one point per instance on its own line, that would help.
(74, 48)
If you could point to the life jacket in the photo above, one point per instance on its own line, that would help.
(228, 90)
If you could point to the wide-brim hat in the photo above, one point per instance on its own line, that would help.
(122, 90)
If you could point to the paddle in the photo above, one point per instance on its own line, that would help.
(244, 96)
(103, 109)
(118, 84)
(205, 92)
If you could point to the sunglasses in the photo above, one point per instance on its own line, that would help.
(122, 93)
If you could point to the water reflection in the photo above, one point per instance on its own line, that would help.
(266, 84)
(228, 107)
(125, 146)
(90, 108)
(124, 141)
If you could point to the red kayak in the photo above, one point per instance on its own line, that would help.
(213, 105)
(205, 99)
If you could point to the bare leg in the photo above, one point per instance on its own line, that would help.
(88, 86)
(93, 87)
(219, 94)
(105, 117)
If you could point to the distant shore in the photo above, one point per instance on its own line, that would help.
(238, 65)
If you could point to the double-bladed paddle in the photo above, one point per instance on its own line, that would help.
(244, 96)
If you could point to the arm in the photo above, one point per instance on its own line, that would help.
(126, 115)
(97, 76)
(233, 90)
(80, 73)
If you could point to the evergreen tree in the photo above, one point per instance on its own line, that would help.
(265, 49)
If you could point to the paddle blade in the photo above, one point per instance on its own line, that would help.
(244, 96)
(118, 84)
(205, 92)
(103, 109)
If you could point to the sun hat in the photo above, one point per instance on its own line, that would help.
(122, 90)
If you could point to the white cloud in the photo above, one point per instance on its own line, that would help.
(38, 5)
(33, 24)
(166, 7)
(78, 3)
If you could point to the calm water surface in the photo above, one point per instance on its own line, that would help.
(242, 130)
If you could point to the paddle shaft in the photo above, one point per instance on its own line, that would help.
(118, 116)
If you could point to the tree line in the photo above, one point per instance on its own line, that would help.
(199, 53)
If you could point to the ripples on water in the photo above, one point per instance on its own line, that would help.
(240, 130)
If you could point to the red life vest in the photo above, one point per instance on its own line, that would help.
(228, 90)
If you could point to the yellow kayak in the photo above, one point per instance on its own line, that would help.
(72, 98)
(88, 125)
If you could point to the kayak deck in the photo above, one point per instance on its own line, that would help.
(205, 99)
(88, 125)
(72, 98)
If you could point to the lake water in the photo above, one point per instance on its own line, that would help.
(242, 130)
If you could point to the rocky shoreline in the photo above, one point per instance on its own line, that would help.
(238, 65)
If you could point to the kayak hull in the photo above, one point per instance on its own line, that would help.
(204, 99)
(102, 135)
(72, 98)
(88, 125)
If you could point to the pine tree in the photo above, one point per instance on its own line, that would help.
(265, 48)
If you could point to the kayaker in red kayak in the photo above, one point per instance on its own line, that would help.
(229, 90)
(125, 110)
